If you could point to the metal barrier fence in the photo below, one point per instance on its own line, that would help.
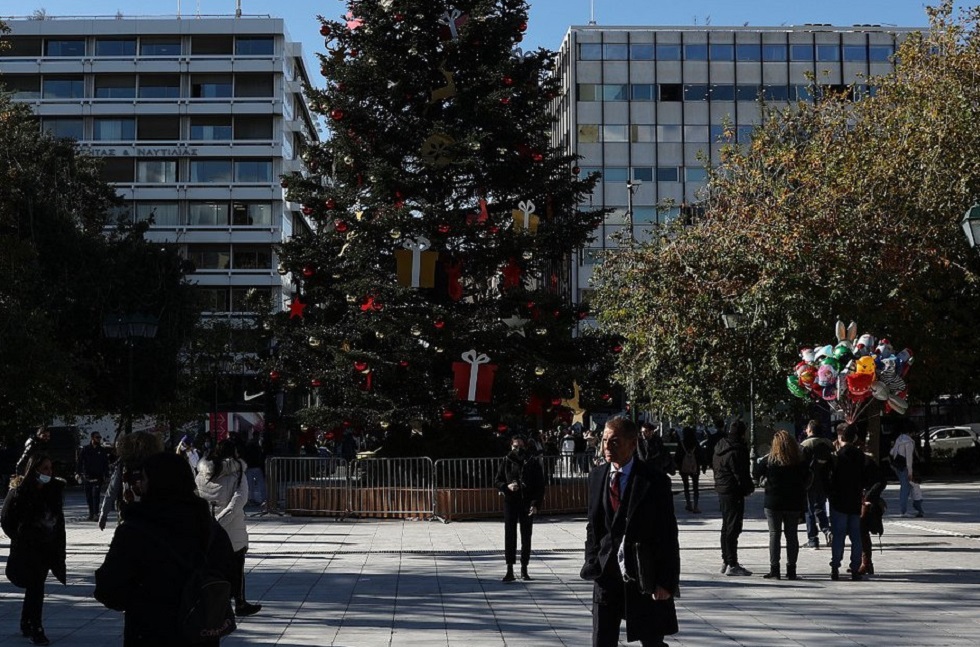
(447, 489)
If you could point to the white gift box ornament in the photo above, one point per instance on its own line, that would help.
(524, 218)
(473, 377)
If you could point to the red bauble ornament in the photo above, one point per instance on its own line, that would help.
(508, 81)
(439, 324)
(315, 383)
(502, 428)
(494, 229)
(284, 184)
(576, 170)
(556, 313)
(308, 271)
(606, 397)
(340, 225)
(443, 228)
(324, 30)
(403, 363)
(399, 17)
(346, 423)
(582, 314)
(518, 38)
(336, 114)
(530, 305)
(360, 367)
(556, 402)
(448, 414)
(330, 204)
(522, 27)
(307, 210)
(274, 375)
(505, 100)
(618, 348)
(354, 53)
(537, 157)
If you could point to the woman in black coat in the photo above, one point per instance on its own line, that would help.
(785, 475)
(691, 463)
(148, 561)
(34, 519)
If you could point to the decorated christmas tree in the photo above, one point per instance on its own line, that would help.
(432, 291)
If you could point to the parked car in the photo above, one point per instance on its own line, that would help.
(953, 438)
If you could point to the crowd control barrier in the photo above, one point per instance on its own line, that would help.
(414, 488)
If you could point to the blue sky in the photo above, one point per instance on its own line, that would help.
(549, 19)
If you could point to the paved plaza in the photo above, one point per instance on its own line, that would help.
(367, 583)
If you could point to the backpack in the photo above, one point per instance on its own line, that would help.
(689, 464)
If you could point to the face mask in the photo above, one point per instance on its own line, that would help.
(43, 478)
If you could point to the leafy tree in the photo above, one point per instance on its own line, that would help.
(837, 208)
(440, 139)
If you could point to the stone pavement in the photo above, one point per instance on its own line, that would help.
(403, 583)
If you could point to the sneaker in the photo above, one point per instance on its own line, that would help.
(919, 514)
(828, 536)
(856, 576)
(834, 573)
(813, 543)
(38, 637)
(724, 569)
(247, 609)
(738, 571)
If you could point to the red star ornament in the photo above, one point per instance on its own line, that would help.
(296, 308)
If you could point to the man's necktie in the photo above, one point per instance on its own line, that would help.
(614, 491)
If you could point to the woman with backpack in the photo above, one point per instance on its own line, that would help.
(34, 519)
(691, 463)
(153, 556)
(785, 475)
(221, 482)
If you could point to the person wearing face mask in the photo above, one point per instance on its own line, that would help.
(520, 481)
(33, 518)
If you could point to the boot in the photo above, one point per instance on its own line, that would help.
(524, 575)
(834, 573)
(26, 628)
(791, 572)
(38, 637)
(773, 573)
(687, 504)
(509, 576)
(243, 608)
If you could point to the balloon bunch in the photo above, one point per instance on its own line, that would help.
(851, 374)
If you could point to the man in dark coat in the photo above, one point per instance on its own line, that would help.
(149, 560)
(93, 470)
(851, 475)
(733, 482)
(37, 443)
(521, 482)
(631, 547)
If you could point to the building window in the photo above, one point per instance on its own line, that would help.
(63, 88)
(803, 92)
(207, 214)
(668, 52)
(721, 52)
(615, 51)
(211, 299)
(158, 128)
(642, 91)
(588, 133)
(253, 128)
(208, 171)
(254, 46)
(589, 52)
(641, 52)
(743, 134)
(643, 173)
(880, 53)
(115, 47)
(669, 133)
(252, 257)
(253, 171)
(23, 86)
(644, 215)
(615, 173)
(65, 47)
(156, 171)
(614, 133)
(211, 128)
(695, 174)
(117, 169)
(667, 174)
(828, 53)
(209, 257)
(159, 86)
(696, 52)
(772, 52)
(109, 129)
(718, 134)
(722, 92)
(746, 92)
(801, 52)
(211, 86)
(115, 87)
(254, 85)
(696, 134)
(251, 214)
(246, 299)
(695, 92)
(615, 92)
(640, 133)
(671, 92)
(61, 128)
(748, 52)
(210, 45)
(855, 53)
(167, 46)
(164, 214)
(587, 92)
(775, 92)
(21, 47)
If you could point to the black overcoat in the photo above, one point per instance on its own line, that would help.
(34, 520)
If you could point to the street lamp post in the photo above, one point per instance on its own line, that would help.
(631, 187)
(734, 321)
(129, 327)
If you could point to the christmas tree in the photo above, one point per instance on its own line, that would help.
(431, 292)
